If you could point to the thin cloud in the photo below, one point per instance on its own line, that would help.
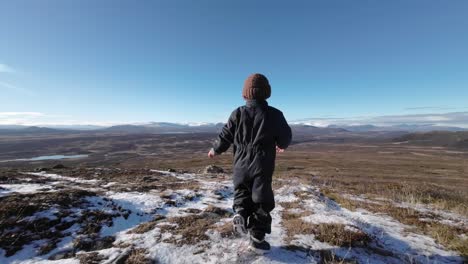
(456, 119)
(42, 119)
(20, 114)
(6, 69)
(429, 108)
(19, 118)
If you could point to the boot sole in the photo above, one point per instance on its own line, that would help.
(238, 223)
(258, 250)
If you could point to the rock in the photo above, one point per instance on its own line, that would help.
(219, 211)
(83, 243)
(46, 248)
(90, 258)
(213, 169)
(171, 203)
(105, 242)
(192, 210)
(123, 257)
(149, 179)
(171, 170)
(58, 166)
(42, 169)
(92, 244)
(62, 255)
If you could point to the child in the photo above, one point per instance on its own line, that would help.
(257, 132)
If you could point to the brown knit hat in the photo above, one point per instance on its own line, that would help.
(256, 86)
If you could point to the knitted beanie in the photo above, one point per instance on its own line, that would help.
(256, 86)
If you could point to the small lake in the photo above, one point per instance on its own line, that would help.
(52, 157)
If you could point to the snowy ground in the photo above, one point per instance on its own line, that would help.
(162, 240)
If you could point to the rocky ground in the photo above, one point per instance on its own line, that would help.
(112, 215)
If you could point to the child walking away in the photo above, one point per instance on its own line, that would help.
(257, 132)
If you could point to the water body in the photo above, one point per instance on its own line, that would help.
(52, 157)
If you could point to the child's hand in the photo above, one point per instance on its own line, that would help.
(211, 154)
(279, 150)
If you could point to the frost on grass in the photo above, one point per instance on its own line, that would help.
(445, 228)
(185, 218)
(192, 229)
(44, 220)
(336, 234)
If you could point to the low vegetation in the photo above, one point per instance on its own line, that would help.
(191, 229)
(331, 233)
(453, 237)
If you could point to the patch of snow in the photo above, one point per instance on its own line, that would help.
(24, 188)
(62, 178)
(109, 184)
(386, 233)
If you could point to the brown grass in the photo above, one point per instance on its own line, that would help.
(291, 205)
(334, 234)
(446, 235)
(218, 211)
(192, 228)
(147, 226)
(90, 258)
(296, 226)
(15, 231)
(138, 256)
(226, 230)
(439, 179)
(339, 235)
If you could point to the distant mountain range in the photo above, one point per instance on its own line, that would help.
(166, 127)
(401, 127)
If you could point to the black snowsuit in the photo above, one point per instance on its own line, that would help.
(255, 130)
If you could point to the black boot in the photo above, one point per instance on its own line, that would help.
(258, 243)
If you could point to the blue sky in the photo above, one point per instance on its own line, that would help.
(185, 61)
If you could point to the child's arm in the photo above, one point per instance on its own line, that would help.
(284, 134)
(226, 137)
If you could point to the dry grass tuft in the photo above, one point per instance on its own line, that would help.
(191, 228)
(449, 236)
(138, 256)
(340, 235)
(226, 230)
(219, 211)
(329, 257)
(294, 225)
(446, 235)
(291, 205)
(302, 194)
(334, 234)
(147, 226)
(90, 258)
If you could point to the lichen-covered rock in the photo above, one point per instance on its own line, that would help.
(213, 169)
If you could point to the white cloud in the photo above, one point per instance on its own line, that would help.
(20, 114)
(42, 119)
(458, 119)
(6, 69)
(18, 118)
(429, 108)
